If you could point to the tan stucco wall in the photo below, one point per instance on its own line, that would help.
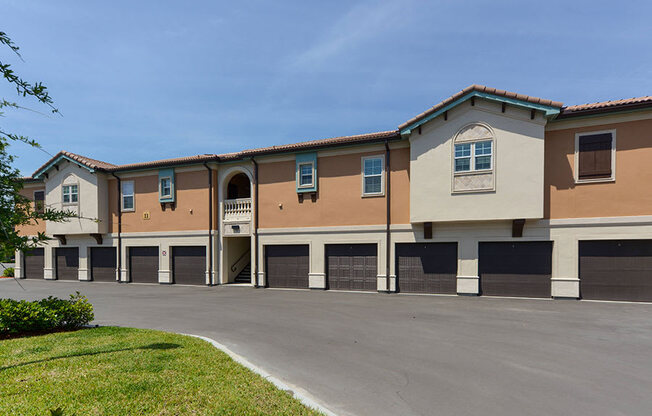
(191, 212)
(31, 229)
(519, 164)
(339, 198)
(629, 195)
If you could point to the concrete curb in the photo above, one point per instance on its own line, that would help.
(297, 392)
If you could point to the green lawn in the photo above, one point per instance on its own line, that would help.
(124, 371)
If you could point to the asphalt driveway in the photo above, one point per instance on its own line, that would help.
(374, 354)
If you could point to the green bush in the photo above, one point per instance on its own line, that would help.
(44, 315)
(8, 272)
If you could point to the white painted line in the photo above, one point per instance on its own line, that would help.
(300, 394)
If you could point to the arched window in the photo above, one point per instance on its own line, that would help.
(474, 151)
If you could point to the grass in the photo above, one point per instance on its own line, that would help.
(124, 371)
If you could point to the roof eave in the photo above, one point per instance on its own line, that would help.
(595, 112)
(549, 111)
(56, 160)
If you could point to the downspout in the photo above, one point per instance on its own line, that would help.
(389, 207)
(119, 227)
(255, 223)
(210, 224)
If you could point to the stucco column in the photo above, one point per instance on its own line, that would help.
(124, 271)
(164, 260)
(565, 277)
(83, 273)
(48, 263)
(19, 273)
(317, 275)
(468, 282)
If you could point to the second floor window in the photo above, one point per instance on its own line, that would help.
(166, 187)
(595, 156)
(70, 194)
(372, 175)
(305, 174)
(473, 156)
(128, 196)
(39, 201)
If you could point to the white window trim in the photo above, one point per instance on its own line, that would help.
(63, 186)
(312, 182)
(382, 176)
(576, 163)
(133, 195)
(473, 169)
(160, 187)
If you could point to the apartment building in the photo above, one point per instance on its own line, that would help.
(487, 193)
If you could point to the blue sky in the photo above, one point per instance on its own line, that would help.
(145, 80)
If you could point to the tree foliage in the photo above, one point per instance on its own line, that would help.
(15, 209)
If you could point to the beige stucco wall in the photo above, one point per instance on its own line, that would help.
(518, 157)
(190, 213)
(91, 211)
(339, 197)
(629, 194)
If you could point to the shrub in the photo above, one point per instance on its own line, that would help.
(48, 314)
(8, 272)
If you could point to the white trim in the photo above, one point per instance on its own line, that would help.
(382, 176)
(122, 195)
(576, 167)
(601, 221)
(160, 187)
(312, 175)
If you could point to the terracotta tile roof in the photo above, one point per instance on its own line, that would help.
(606, 106)
(314, 144)
(480, 88)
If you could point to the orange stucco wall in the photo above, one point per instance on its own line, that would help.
(339, 198)
(31, 229)
(191, 212)
(630, 194)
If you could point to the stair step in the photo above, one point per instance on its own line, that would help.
(245, 275)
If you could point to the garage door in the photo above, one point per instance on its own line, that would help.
(616, 270)
(143, 264)
(103, 264)
(352, 266)
(189, 265)
(427, 268)
(287, 266)
(67, 263)
(33, 263)
(516, 269)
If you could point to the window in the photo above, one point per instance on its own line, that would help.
(473, 156)
(372, 175)
(595, 158)
(462, 157)
(70, 194)
(128, 196)
(39, 201)
(305, 174)
(166, 187)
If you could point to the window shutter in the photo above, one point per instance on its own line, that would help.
(595, 156)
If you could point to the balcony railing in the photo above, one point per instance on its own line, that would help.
(237, 209)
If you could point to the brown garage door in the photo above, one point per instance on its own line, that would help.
(352, 266)
(103, 264)
(67, 263)
(516, 269)
(616, 270)
(427, 267)
(143, 264)
(287, 266)
(33, 264)
(189, 265)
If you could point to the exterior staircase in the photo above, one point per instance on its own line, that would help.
(245, 275)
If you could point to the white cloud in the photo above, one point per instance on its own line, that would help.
(361, 23)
